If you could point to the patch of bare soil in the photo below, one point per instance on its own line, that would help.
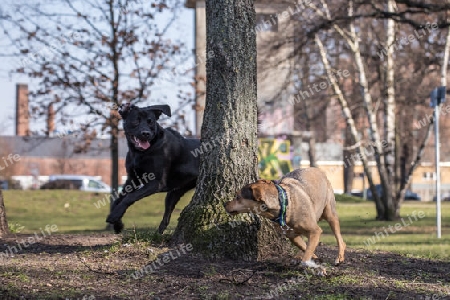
(99, 266)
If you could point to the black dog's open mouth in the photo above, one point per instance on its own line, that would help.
(141, 144)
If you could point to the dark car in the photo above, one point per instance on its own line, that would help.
(61, 184)
(409, 195)
(444, 197)
(3, 184)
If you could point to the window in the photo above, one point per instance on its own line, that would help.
(429, 176)
(94, 184)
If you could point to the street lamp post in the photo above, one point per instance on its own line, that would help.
(437, 97)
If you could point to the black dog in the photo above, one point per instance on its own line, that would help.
(160, 157)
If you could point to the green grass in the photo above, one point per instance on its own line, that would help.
(348, 199)
(74, 212)
(418, 238)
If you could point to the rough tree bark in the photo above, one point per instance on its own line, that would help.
(230, 124)
(3, 222)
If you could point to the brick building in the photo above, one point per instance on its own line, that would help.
(42, 156)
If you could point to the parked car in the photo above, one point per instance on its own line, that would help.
(4, 184)
(444, 197)
(77, 182)
(409, 195)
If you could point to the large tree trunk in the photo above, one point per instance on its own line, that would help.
(3, 223)
(230, 123)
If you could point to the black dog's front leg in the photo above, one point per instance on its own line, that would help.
(119, 209)
(117, 198)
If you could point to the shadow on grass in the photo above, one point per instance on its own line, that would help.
(56, 243)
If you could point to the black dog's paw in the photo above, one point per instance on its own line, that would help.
(118, 227)
(161, 229)
(112, 218)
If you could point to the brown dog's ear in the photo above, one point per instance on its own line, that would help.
(258, 192)
(253, 192)
(246, 192)
(266, 181)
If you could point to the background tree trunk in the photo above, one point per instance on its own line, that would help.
(230, 125)
(389, 118)
(114, 118)
(312, 151)
(3, 223)
(348, 170)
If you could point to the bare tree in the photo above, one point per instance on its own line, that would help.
(375, 39)
(389, 115)
(90, 56)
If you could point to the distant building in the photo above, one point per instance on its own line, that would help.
(41, 156)
(38, 157)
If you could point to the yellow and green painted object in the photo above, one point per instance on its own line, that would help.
(274, 157)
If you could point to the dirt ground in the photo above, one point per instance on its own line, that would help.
(101, 266)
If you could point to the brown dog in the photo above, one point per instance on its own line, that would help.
(310, 198)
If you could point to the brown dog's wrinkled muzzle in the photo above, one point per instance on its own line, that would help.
(232, 207)
(235, 207)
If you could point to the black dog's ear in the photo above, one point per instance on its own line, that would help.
(159, 109)
(124, 109)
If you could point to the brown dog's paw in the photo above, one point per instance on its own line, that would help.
(317, 259)
(338, 262)
(316, 269)
(298, 259)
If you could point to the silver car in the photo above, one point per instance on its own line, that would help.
(78, 182)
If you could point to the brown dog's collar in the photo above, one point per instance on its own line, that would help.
(284, 202)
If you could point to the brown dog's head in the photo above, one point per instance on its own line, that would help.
(260, 197)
